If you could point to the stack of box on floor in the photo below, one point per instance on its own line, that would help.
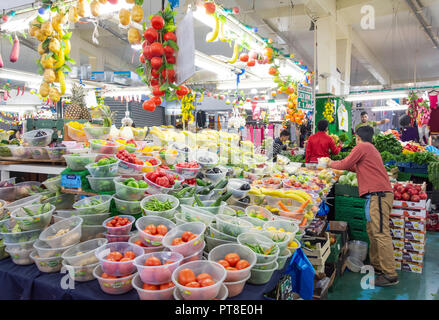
(408, 230)
(352, 210)
(339, 248)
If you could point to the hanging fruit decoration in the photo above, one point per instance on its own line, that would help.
(188, 101)
(157, 60)
(328, 114)
(54, 48)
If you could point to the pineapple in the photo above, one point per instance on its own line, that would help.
(77, 108)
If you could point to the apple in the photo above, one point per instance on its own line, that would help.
(397, 195)
(415, 198)
(405, 196)
(423, 195)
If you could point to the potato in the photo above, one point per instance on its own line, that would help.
(137, 13)
(54, 45)
(95, 6)
(46, 28)
(40, 35)
(54, 94)
(44, 89)
(134, 36)
(41, 51)
(33, 31)
(73, 15)
(124, 17)
(49, 76)
(47, 62)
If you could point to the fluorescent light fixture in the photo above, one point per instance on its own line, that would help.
(231, 85)
(16, 24)
(19, 109)
(254, 91)
(376, 96)
(203, 61)
(19, 75)
(390, 108)
(200, 15)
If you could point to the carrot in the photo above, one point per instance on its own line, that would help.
(302, 207)
(283, 207)
(303, 223)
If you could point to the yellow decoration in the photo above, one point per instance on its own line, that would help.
(137, 13)
(134, 36)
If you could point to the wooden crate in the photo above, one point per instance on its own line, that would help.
(319, 255)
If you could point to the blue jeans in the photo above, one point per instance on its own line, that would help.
(367, 208)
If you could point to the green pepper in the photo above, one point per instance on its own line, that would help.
(201, 183)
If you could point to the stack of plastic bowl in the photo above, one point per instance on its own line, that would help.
(215, 209)
(168, 214)
(235, 279)
(77, 162)
(18, 245)
(37, 221)
(39, 153)
(56, 153)
(234, 186)
(266, 264)
(136, 239)
(216, 177)
(282, 258)
(192, 214)
(115, 276)
(258, 215)
(53, 184)
(127, 199)
(118, 234)
(214, 269)
(191, 247)
(7, 210)
(32, 140)
(148, 239)
(129, 168)
(90, 205)
(101, 176)
(61, 202)
(202, 157)
(96, 132)
(157, 277)
(223, 293)
(232, 226)
(26, 189)
(103, 147)
(92, 223)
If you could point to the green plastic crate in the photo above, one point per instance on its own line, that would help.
(357, 224)
(346, 190)
(347, 202)
(403, 176)
(346, 213)
(359, 235)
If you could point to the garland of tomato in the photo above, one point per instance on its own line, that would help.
(158, 59)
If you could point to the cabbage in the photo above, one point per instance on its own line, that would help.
(344, 180)
(354, 182)
(351, 176)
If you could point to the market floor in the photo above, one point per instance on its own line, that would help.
(412, 286)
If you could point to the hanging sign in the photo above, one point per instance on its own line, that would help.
(305, 98)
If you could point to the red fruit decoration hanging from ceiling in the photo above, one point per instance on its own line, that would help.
(158, 58)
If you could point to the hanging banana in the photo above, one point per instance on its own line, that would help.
(214, 34)
(222, 37)
(236, 50)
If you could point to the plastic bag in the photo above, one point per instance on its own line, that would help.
(302, 275)
(323, 209)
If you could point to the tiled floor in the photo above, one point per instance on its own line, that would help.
(412, 286)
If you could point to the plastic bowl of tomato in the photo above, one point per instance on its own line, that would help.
(199, 280)
(157, 267)
(160, 181)
(186, 238)
(238, 260)
(119, 225)
(196, 256)
(148, 249)
(113, 284)
(116, 258)
(117, 238)
(188, 170)
(222, 294)
(152, 229)
(148, 291)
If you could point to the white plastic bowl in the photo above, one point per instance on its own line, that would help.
(206, 154)
(222, 294)
(129, 168)
(117, 268)
(190, 247)
(108, 170)
(72, 236)
(97, 132)
(16, 237)
(196, 256)
(27, 222)
(83, 254)
(114, 286)
(217, 272)
(48, 265)
(101, 184)
(103, 149)
(20, 253)
(259, 211)
(127, 207)
(192, 214)
(282, 240)
(53, 185)
(168, 214)
(282, 258)
(149, 239)
(157, 275)
(88, 219)
(232, 226)
(29, 138)
(45, 251)
(164, 294)
(119, 231)
(263, 276)
(99, 208)
(187, 173)
(80, 273)
(215, 233)
(245, 253)
(214, 210)
(147, 249)
(212, 243)
(290, 228)
(128, 193)
(265, 242)
(117, 238)
(78, 163)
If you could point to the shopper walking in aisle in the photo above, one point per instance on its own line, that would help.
(305, 131)
(374, 185)
(320, 143)
(365, 121)
(408, 132)
(279, 145)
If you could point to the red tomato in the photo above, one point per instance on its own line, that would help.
(130, 255)
(242, 264)
(151, 229)
(171, 59)
(251, 63)
(168, 50)
(126, 268)
(169, 262)
(115, 255)
(232, 258)
(224, 263)
(154, 82)
(142, 59)
(186, 276)
(243, 57)
(231, 268)
(167, 285)
(162, 229)
(157, 22)
(156, 62)
(203, 276)
(157, 49)
(176, 242)
(207, 283)
(148, 105)
(192, 237)
(170, 36)
(185, 236)
(193, 284)
(150, 35)
(182, 91)
(150, 287)
(157, 101)
(157, 92)
(139, 243)
(109, 267)
(152, 262)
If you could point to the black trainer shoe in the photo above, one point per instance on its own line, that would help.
(378, 272)
(386, 281)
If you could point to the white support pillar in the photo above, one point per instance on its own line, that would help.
(344, 55)
(327, 55)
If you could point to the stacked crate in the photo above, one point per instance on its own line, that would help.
(408, 229)
(352, 210)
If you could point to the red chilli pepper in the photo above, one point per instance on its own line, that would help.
(22, 90)
(18, 90)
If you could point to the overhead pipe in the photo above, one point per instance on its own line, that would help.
(420, 16)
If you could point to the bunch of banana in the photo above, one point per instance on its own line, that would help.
(211, 36)
(297, 195)
(328, 114)
(54, 49)
(157, 132)
(187, 106)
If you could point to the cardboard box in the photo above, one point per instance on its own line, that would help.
(414, 235)
(414, 246)
(398, 254)
(398, 264)
(398, 244)
(415, 257)
(397, 233)
(340, 227)
(412, 267)
(396, 222)
(415, 224)
(415, 214)
(409, 204)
